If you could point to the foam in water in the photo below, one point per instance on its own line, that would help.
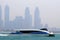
(3, 34)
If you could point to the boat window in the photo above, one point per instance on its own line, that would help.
(44, 29)
(28, 31)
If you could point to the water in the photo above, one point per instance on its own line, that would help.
(29, 37)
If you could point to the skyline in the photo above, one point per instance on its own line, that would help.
(26, 17)
(21, 22)
(49, 10)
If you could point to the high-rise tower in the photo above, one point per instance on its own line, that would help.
(7, 16)
(0, 13)
(37, 20)
(0, 17)
(28, 19)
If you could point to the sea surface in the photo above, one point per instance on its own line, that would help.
(30, 37)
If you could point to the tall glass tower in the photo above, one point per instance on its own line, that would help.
(0, 12)
(0, 17)
(37, 20)
(28, 19)
(7, 16)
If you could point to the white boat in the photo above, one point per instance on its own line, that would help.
(43, 32)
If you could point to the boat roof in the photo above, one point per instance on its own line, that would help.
(26, 29)
(29, 30)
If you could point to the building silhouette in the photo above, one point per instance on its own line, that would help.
(19, 22)
(28, 19)
(6, 16)
(1, 22)
(37, 20)
(0, 13)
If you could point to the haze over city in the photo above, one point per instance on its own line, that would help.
(49, 10)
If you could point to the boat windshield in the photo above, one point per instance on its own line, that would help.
(44, 29)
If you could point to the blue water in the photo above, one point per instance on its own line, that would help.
(29, 37)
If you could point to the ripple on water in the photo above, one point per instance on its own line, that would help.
(29, 37)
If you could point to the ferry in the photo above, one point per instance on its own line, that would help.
(42, 31)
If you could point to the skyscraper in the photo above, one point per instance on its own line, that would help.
(0, 17)
(0, 12)
(7, 16)
(28, 19)
(37, 20)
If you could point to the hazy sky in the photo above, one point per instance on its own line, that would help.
(49, 10)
